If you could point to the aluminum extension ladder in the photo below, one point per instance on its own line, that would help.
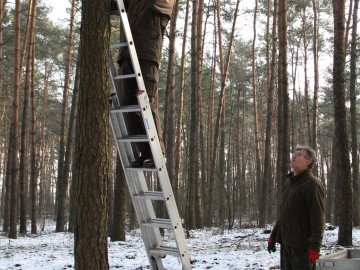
(141, 196)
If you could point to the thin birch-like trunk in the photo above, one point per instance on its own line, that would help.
(169, 125)
(353, 118)
(255, 111)
(33, 168)
(63, 177)
(221, 108)
(271, 66)
(24, 149)
(315, 108)
(177, 150)
(13, 161)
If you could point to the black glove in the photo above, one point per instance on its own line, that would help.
(271, 245)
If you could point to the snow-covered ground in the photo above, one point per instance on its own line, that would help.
(209, 248)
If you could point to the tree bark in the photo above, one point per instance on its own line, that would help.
(119, 214)
(194, 134)
(24, 149)
(283, 101)
(13, 163)
(353, 118)
(271, 66)
(33, 167)
(316, 82)
(177, 150)
(255, 111)
(169, 132)
(306, 83)
(93, 163)
(1, 47)
(343, 195)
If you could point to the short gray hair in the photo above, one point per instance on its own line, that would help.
(311, 154)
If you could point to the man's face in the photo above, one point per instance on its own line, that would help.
(299, 161)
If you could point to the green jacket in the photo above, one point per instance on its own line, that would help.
(301, 222)
(162, 6)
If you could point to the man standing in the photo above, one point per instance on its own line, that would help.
(148, 20)
(301, 224)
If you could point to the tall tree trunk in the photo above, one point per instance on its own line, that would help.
(33, 168)
(24, 149)
(42, 144)
(353, 119)
(316, 81)
(63, 179)
(255, 108)
(2, 97)
(271, 66)
(210, 138)
(177, 150)
(74, 150)
(169, 132)
(306, 83)
(93, 163)
(7, 195)
(341, 159)
(348, 23)
(70, 142)
(1, 49)
(200, 137)
(119, 214)
(283, 100)
(193, 139)
(14, 129)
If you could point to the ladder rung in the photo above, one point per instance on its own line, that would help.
(121, 77)
(158, 223)
(134, 138)
(118, 45)
(140, 169)
(128, 108)
(150, 195)
(164, 250)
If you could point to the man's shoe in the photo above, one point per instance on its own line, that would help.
(139, 162)
(149, 163)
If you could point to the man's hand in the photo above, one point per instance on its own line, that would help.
(271, 245)
(313, 255)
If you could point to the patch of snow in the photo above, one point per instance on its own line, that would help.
(209, 249)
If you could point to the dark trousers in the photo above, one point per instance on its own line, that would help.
(295, 259)
(150, 72)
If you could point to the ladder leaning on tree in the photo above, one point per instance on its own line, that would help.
(143, 198)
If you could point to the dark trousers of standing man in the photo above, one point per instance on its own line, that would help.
(150, 72)
(295, 258)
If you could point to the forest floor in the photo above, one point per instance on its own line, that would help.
(209, 249)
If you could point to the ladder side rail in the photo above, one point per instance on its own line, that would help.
(143, 209)
(174, 217)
